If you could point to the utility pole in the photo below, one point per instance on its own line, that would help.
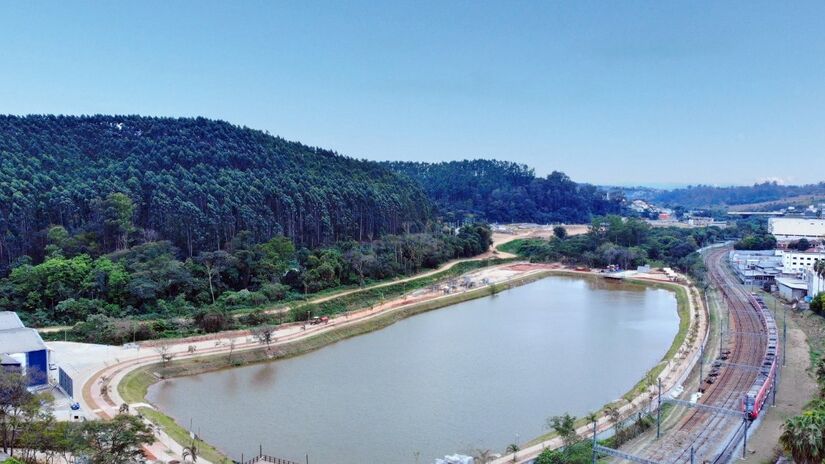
(745, 437)
(774, 387)
(784, 333)
(692, 455)
(701, 366)
(594, 440)
(659, 411)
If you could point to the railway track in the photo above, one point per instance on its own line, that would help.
(706, 431)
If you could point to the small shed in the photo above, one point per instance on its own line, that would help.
(791, 289)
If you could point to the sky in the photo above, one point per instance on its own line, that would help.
(619, 93)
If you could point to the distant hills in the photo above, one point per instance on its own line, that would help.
(502, 191)
(767, 194)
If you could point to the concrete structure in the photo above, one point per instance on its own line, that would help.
(815, 283)
(792, 289)
(797, 262)
(25, 347)
(794, 228)
(756, 267)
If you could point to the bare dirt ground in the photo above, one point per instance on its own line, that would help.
(797, 387)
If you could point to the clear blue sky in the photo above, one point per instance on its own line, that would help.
(608, 92)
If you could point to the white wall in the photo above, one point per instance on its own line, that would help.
(796, 228)
(816, 284)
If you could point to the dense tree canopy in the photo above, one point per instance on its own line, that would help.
(152, 279)
(501, 191)
(626, 243)
(111, 181)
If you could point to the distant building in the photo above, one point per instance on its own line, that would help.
(794, 228)
(22, 350)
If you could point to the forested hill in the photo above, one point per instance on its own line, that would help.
(501, 191)
(195, 182)
(701, 196)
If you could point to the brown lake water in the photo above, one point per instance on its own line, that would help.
(479, 374)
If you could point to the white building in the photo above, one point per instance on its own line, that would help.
(797, 262)
(815, 283)
(785, 229)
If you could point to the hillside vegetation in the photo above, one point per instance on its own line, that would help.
(625, 243)
(194, 182)
(502, 191)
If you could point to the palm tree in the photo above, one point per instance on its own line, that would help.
(482, 456)
(592, 418)
(513, 448)
(819, 269)
(190, 452)
(803, 437)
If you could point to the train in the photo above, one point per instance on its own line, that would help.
(762, 386)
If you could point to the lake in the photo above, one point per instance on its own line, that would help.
(479, 374)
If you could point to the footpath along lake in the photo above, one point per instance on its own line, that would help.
(473, 375)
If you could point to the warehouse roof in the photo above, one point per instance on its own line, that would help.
(795, 284)
(20, 340)
(10, 320)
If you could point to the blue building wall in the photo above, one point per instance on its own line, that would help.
(39, 362)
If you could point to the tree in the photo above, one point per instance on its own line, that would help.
(482, 456)
(560, 232)
(802, 437)
(513, 448)
(117, 211)
(117, 441)
(15, 408)
(165, 354)
(565, 427)
(614, 415)
(232, 344)
(818, 303)
(264, 334)
(277, 254)
(214, 262)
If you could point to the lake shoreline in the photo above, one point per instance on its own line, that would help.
(134, 386)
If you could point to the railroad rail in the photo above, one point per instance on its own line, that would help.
(751, 342)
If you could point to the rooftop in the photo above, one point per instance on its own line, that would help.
(795, 284)
(10, 320)
(15, 337)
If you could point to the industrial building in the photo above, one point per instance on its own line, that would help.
(756, 267)
(22, 350)
(794, 228)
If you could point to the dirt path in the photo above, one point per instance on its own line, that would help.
(797, 386)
